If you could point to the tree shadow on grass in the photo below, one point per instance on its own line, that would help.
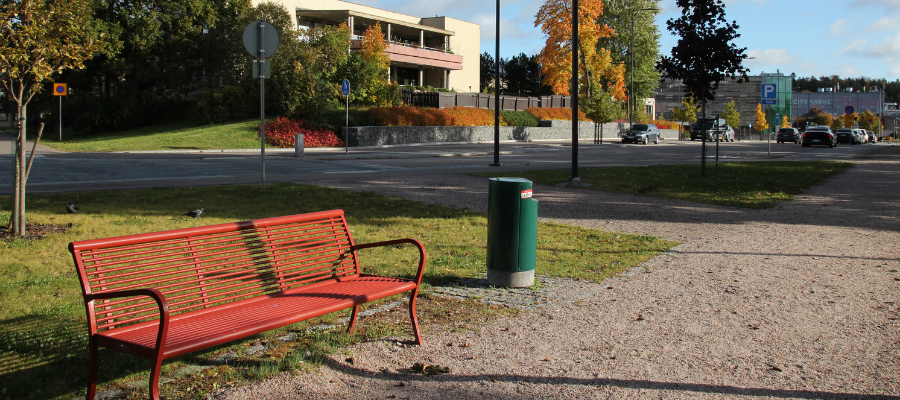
(44, 357)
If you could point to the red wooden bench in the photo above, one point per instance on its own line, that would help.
(164, 294)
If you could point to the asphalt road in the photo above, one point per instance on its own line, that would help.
(68, 172)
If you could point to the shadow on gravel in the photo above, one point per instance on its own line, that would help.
(600, 382)
(864, 197)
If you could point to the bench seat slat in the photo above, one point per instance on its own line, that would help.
(241, 319)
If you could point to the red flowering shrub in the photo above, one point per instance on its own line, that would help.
(556, 113)
(280, 133)
(424, 116)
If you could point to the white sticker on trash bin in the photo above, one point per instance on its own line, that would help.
(526, 194)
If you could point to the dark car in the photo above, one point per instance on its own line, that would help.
(788, 135)
(709, 128)
(846, 136)
(872, 137)
(819, 135)
(641, 133)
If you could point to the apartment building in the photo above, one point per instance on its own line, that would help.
(440, 52)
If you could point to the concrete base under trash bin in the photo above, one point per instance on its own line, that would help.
(510, 279)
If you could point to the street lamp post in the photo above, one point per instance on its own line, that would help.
(631, 103)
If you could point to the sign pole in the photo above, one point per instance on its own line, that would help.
(262, 101)
(60, 90)
(345, 90)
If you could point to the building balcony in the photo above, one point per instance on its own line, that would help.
(415, 55)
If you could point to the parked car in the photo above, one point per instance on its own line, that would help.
(641, 133)
(711, 126)
(819, 135)
(788, 135)
(845, 135)
(727, 135)
(861, 135)
(872, 137)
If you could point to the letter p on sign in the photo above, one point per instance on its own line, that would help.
(769, 93)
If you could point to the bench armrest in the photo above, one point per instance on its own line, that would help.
(414, 242)
(156, 295)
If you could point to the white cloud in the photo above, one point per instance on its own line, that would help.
(847, 69)
(888, 4)
(855, 48)
(895, 70)
(884, 24)
(838, 28)
(770, 58)
(887, 50)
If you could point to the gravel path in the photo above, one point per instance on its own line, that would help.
(798, 301)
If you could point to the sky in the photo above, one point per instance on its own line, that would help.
(807, 37)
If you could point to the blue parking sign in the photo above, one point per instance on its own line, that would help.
(769, 93)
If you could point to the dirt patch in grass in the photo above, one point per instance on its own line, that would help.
(33, 231)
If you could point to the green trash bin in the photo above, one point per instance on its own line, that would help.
(512, 233)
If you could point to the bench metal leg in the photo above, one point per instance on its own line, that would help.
(353, 315)
(412, 315)
(154, 377)
(93, 364)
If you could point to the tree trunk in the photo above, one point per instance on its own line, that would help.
(18, 220)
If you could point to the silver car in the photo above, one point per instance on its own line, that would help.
(641, 133)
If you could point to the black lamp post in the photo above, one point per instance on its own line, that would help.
(574, 92)
(496, 162)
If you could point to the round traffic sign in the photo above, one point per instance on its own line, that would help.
(871, 120)
(848, 110)
(345, 87)
(60, 89)
(261, 29)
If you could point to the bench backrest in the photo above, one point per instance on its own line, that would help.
(212, 265)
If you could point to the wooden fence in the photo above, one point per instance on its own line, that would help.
(480, 100)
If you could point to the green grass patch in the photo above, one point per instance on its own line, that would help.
(184, 135)
(748, 185)
(43, 350)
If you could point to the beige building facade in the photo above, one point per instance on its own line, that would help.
(440, 52)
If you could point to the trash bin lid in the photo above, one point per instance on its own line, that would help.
(511, 180)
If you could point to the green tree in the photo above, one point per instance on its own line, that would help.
(522, 75)
(617, 14)
(731, 115)
(874, 126)
(283, 91)
(686, 113)
(488, 73)
(367, 70)
(316, 72)
(37, 40)
(704, 54)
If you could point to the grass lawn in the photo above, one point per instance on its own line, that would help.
(748, 185)
(43, 350)
(173, 136)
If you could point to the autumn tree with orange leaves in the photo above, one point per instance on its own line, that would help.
(602, 83)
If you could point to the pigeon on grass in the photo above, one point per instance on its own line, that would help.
(71, 208)
(194, 214)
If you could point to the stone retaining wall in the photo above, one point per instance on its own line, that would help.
(554, 130)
